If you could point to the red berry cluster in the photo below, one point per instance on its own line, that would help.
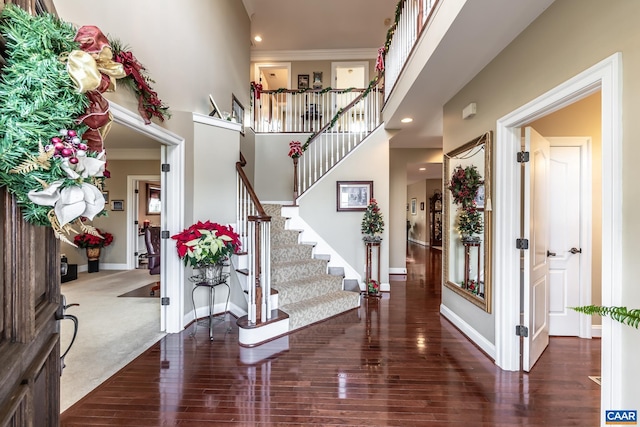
(67, 146)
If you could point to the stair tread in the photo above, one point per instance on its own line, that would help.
(306, 280)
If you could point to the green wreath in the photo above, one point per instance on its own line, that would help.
(464, 185)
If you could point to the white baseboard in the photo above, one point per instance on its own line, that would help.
(397, 270)
(596, 331)
(83, 268)
(419, 242)
(471, 333)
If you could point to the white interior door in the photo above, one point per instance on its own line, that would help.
(569, 279)
(536, 267)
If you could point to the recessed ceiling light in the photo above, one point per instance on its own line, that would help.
(258, 38)
(407, 120)
(422, 169)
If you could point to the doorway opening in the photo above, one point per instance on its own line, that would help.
(605, 77)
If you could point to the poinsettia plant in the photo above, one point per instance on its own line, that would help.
(373, 287)
(88, 240)
(206, 243)
(295, 149)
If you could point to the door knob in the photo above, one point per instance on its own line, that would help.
(551, 253)
(575, 251)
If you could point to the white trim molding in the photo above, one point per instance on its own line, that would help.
(313, 55)
(605, 76)
(469, 331)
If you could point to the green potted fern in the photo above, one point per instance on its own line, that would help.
(620, 314)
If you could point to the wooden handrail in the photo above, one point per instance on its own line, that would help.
(254, 198)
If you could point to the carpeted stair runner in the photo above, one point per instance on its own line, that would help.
(306, 291)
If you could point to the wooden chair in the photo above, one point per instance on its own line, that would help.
(152, 241)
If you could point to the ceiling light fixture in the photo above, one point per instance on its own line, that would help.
(422, 169)
(258, 38)
(407, 120)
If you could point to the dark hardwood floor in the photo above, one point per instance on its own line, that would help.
(393, 362)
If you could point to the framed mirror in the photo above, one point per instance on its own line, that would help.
(467, 221)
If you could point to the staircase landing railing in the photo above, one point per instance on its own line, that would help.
(338, 137)
(254, 227)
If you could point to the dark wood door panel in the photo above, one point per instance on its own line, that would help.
(29, 343)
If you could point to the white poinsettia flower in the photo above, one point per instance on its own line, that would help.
(76, 201)
(47, 197)
(86, 166)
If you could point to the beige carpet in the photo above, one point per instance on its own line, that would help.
(113, 331)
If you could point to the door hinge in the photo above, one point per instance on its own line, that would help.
(137, 191)
(522, 157)
(165, 301)
(135, 253)
(136, 222)
(522, 243)
(164, 234)
(522, 331)
(166, 167)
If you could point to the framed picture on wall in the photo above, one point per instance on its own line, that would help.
(353, 195)
(154, 204)
(237, 112)
(414, 209)
(117, 205)
(303, 81)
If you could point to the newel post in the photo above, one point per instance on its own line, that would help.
(295, 179)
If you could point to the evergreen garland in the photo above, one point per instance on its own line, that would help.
(37, 99)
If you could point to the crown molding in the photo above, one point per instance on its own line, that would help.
(313, 55)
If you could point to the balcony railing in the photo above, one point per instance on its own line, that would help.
(411, 19)
(287, 110)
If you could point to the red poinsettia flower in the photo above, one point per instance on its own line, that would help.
(86, 240)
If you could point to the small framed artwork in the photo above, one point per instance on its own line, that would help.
(237, 112)
(414, 203)
(421, 206)
(303, 81)
(480, 198)
(216, 110)
(317, 79)
(353, 195)
(105, 194)
(154, 205)
(117, 205)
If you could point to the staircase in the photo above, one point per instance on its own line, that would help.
(308, 291)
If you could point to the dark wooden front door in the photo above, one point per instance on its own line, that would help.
(29, 332)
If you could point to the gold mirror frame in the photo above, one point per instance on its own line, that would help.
(453, 250)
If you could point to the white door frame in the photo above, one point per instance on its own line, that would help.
(586, 238)
(260, 65)
(605, 76)
(172, 219)
(132, 234)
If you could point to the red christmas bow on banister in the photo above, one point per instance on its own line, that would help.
(258, 88)
(380, 60)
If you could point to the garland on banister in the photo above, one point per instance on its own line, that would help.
(373, 83)
(300, 91)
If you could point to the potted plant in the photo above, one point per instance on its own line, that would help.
(372, 222)
(93, 241)
(470, 223)
(206, 245)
